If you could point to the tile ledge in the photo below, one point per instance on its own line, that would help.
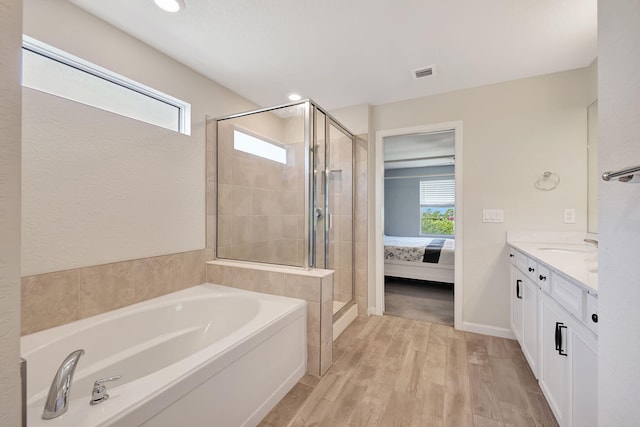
(314, 272)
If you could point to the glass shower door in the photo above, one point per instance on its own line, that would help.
(339, 164)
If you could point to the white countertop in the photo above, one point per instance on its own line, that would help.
(577, 261)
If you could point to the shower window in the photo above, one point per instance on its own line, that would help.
(243, 141)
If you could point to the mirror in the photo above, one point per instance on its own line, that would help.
(592, 167)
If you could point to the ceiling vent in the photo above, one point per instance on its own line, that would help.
(424, 72)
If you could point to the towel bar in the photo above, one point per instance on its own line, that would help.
(626, 174)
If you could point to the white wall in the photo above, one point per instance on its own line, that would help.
(354, 118)
(512, 133)
(10, 42)
(99, 187)
(619, 213)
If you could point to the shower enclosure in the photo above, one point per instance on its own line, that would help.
(286, 192)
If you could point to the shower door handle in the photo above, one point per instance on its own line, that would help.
(330, 221)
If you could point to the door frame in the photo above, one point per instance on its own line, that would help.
(456, 126)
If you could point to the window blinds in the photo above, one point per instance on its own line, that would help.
(437, 192)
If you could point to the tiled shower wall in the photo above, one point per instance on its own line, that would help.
(53, 299)
(261, 203)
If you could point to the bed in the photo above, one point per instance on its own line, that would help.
(424, 258)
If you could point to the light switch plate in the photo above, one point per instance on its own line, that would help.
(569, 216)
(492, 215)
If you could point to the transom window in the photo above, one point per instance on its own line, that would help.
(437, 207)
(59, 73)
(243, 141)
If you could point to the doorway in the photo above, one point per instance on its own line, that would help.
(419, 176)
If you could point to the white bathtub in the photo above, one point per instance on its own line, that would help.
(206, 356)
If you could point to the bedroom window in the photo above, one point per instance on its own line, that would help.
(53, 71)
(437, 207)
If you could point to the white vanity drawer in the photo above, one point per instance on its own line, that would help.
(544, 278)
(570, 296)
(591, 316)
(522, 261)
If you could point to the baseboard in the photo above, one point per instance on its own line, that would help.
(345, 320)
(493, 331)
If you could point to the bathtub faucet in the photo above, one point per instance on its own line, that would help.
(58, 399)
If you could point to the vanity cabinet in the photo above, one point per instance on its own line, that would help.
(555, 322)
(569, 363)
(524, 316)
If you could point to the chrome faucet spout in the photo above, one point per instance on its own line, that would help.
(58, 399)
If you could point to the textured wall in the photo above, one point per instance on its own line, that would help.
(100, 188)
(10, 43)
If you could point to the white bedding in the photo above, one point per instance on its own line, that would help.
(412, 249)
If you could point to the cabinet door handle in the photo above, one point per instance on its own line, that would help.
(518, 289)
(558, 338)
(531, 269)
(594, 317)
(543, 278)
(510, 255)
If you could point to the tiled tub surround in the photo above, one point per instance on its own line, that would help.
(314, 286)
(61, 297)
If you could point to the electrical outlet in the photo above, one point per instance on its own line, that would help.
(492, 215)
(569, 216)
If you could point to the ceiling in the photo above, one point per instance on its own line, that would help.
(350, 52)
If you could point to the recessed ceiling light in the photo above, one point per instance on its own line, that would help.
(294, 97)
(170, 5)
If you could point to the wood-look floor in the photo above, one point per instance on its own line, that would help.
(390, 371)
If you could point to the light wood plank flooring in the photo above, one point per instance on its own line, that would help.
(390, 371)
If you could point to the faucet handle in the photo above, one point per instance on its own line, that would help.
(99, 393)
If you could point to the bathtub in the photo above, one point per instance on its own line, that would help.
(205, 356)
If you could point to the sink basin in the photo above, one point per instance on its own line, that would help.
(570, 250)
